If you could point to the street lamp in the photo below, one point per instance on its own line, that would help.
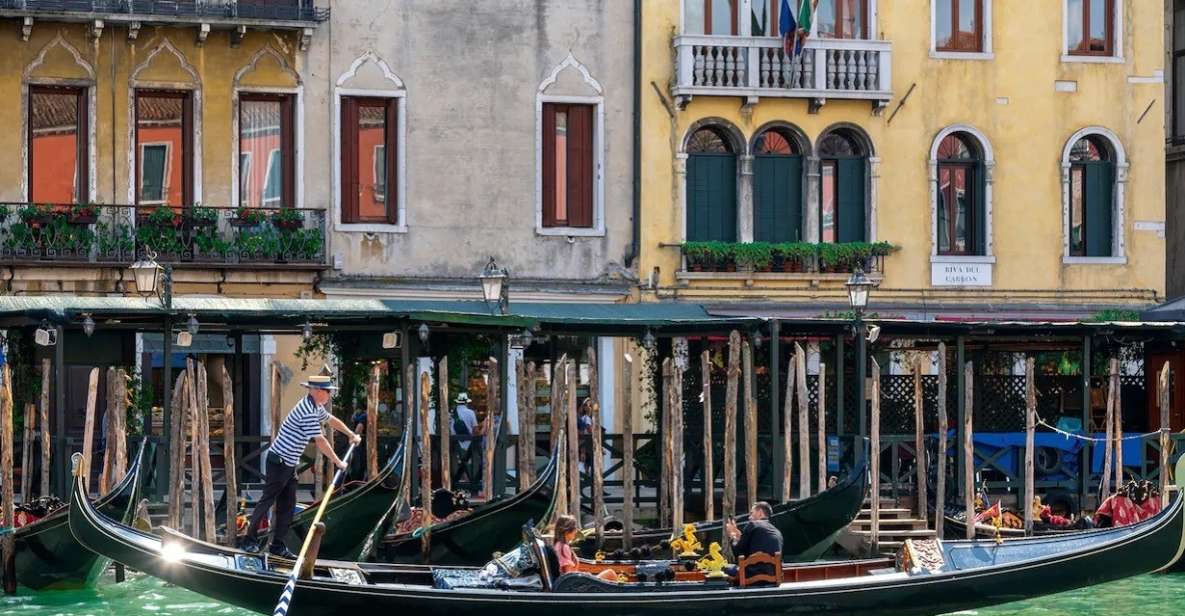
(147, 273)
(858, 287)
(494, 287)
(88, 325)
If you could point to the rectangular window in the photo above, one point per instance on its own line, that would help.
(368, 134)
(958, 25)
(1178, 68)
(266, 134)
(828, 212)
(1089, 27)
(568, 167)
(718, 17)
(842, 19)
(164, 161)
(57, 137)
(1077, 211)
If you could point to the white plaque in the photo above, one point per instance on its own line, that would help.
(961, 274)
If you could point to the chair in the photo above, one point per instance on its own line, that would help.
(759, 558)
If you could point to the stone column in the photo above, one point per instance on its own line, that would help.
(810, 218)
(745, 199)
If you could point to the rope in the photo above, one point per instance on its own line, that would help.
(1091, 439)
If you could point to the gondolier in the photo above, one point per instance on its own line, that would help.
(302, 425)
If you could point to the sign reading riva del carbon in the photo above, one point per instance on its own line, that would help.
(961, 274)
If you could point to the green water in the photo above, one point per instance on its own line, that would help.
(1157, 595)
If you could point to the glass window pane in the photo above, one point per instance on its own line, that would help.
(963, 207)
(1179, 26)
(828, 231)
(943, 213)
(1077, 212)
(561, 166)
(1179, 95)
(160, 134)
(943, 33)
(54, 128)
(826, 18)
(968, 24)
(722, 17)
(261, 136)
(761, 22)
(1098, 25)
(1074, 17)
(773, 142)
(372, 172)
(693, 16)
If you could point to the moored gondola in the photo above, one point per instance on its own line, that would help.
(954, 576)
(48, 556)
(809, 526)
(489, 528)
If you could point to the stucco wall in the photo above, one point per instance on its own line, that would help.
(1011, 99)
(470, 73)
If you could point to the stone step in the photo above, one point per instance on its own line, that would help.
(927, 534)
(887, 513)
(893, 523)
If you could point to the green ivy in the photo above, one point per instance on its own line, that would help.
(1113, 315)
(758, 255)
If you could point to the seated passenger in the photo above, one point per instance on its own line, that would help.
(564, 532)
(759, 535)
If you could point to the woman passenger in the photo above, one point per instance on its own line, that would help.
(565, 531)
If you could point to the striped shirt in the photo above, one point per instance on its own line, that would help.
(302, 425)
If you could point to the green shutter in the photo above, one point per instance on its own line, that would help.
(777, 198)
(851, 199)
(979, 241)
(711, 198)
(1099, 184)
(152, 172)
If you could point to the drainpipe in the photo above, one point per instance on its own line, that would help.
(631, 253)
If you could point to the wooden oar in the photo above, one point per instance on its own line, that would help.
(290, 587)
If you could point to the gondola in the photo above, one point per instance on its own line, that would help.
(958, 575)
(809, 526)
(351, 516)
(47, 555)
(489, 528)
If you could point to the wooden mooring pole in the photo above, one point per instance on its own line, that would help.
(1112, 381)
(664, 480)
(705, 360)
(1030, 429)
(729, 498)
(177, 452)
(627, 452)
(558, 399)
(943, 428)
(968, 449)
(788, 430)
(88, 430)
(1116, 378)
(821, 428)
(205, 470)
(1164, 401)
(229, 465)
(525, 462)
(804, 425)
(27, 452)
(677, 444)
(596, 454)
(7, 497)
(572, 383)
(919, 439)
(443, 424)
(874, 431)
(425, 463)
(372, 421)
(46, 449)
(750, 426)
(492, 423)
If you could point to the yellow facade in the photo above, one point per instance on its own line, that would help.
(111, 66)
(1016, 99)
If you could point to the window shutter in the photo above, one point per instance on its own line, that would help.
(851, 203)
(348, 160)
(711, 198)
(391, 151)
(580, 166)
(777, 198)
(288, 152)
(548, 138)
(1099, 209)
(979, 241)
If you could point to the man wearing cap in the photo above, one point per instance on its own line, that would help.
(464, 424)
(302, 425)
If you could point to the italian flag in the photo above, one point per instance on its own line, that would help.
(806, 18)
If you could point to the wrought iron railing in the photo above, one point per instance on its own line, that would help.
(295, 10)
(121, 234)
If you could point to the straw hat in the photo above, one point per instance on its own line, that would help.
(463, 398)
(321, 380)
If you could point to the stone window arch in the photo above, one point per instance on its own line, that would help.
(1094, 181)
(961, 170)
(708, 163)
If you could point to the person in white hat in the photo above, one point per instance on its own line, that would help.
(464, 424)
(302, 425)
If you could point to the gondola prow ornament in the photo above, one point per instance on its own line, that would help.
(713, 564)
(687, 546)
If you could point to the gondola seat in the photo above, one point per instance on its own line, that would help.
(746, 579)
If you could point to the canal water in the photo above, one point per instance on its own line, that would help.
(1149, 595)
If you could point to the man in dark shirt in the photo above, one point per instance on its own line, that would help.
(759, 535)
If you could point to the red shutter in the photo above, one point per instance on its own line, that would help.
(549, 110)
(347, 156)
(580, 166)
(392, 153)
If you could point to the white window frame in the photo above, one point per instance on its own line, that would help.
(1116, 45)
(244, 170)
(986, 43)
(744, 26)
(397, 91)
(28, 81)
(164, 181)
(989, 166)
(297, 93)
(598, 102)
(1118, 242)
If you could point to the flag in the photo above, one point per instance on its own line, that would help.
(806, 18)
(787, 27)
(993, 512)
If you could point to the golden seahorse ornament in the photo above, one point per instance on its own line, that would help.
(687, 545)
(713, 564)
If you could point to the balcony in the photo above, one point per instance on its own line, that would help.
(789, 261)
(755, 67)
(117, 235)
(270, 13)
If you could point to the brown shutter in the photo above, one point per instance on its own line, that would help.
(288, 152)
(549, 110)
(392, 159)
(187, 149)
(580, 166)
(349, 171)
(82, 194)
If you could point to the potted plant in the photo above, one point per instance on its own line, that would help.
(754, 256)
(164, 216)
(287, 219)
(247, 217)
(200, 217)
(35, 216)
(83, 214)
(793, 256)
(723, 255)
(209, 245)
(697, 254)
(4, 212)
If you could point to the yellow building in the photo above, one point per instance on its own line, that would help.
(1012, 158)
(125, 134)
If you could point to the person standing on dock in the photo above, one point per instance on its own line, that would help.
(302, 425)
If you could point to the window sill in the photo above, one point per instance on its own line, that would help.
(963, 55)
(570, 231)
(962, 259)
(1094, 260)
(1072, 59)
(368, 227)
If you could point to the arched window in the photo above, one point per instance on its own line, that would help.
(777, 187)
(843, 161)
(960, 217)
(1092, 198)
(711, 186)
